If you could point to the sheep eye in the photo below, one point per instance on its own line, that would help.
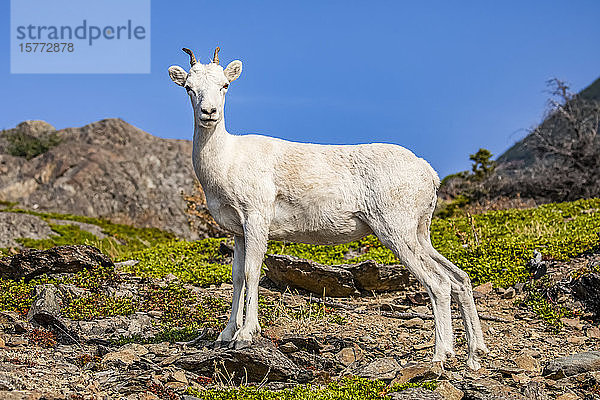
(188, 88)
(225, 86)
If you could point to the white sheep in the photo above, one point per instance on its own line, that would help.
(262, 188)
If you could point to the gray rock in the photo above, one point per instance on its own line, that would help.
(509, 293)
(45, 310)
(415, 394)
(369, 275)
(288, 347)
(335, 280)
(320, 279)
(572, 365)
(11, 322)
(305, 342)
(16, 225)
(32, 263)
(488, 389)
(587, 290)
(260, 361)
(384, 369)
(308, 360)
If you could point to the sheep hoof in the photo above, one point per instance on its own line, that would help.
(240, 344)
(220, 344)
(473, 364)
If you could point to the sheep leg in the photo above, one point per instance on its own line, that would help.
(463, 295)
(237, 304)
(429, 274)
(256, 232)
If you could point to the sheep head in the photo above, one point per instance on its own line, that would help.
(206, 84)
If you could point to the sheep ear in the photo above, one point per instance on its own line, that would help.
(178, 75)
(233, 70)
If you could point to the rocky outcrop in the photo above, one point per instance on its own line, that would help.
(60, 259)
(573, 365)
(308, 275)
(108, 169)
(15, 225)
(261, 361)
(335, 280)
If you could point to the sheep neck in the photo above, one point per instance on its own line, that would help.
(210, 152)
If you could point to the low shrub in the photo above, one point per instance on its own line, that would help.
(21, 144)
(198, 263)
(349, 388)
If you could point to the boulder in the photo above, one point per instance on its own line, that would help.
(313, 361)
(448, 391)
(587, 290)
(17, 225)
(45, 310)
(384, 369)
(335, 280)
(415, 394)
(304, 342)
(573, 365)
(369, 275)
(317, 278)
(60, 259)
(261, 360)
(11, 322)
(418, 372)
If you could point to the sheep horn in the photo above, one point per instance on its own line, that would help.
(216, 56)
(192, 56)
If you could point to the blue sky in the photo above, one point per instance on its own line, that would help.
(440, 78)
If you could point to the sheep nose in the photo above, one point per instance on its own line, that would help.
(209, 111)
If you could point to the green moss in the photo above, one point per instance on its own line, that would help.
(18, 295)
(122, 239)
(183, 309)
(8, 204)
(15, 296)
(65, 235)
(350, 388)
(184, 314)
(549, 312)
(199, 263)
(97, 305)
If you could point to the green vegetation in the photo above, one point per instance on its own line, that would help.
(66, 234)
(538, 300)
(494, 246)
(21, 144)
(8, 204)
(199, 263)
(447, 209)
(15, 296)
(183, 309)
(122, 239)
(350, 388)
(98, 305)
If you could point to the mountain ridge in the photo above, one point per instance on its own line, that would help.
(108, 169)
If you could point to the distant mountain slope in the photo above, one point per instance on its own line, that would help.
(105, 169)
(559, 160)
(520, 155)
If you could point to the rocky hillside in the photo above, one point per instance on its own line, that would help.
(139, 324)
(522, 154)
(559, 160)
(107, 169)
